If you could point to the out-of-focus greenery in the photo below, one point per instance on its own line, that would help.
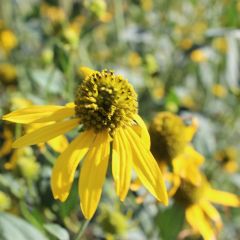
(181, 56)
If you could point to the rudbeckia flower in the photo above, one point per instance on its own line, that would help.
(200, 213)
(106, 107)
(170, 145)
(228, 159)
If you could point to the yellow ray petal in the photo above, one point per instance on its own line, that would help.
(87, 71)
(93, 174)
(58, 144)
(121, 165)
(175, 181)
(35, 113)
(146, 167)
(145, 137)
(212, 213)
(46, 133)
(195, 217)
(66, 164)
(223, 198)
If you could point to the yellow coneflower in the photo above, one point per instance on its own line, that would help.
(170, 145)
(106, 108)
(228, 159)
(8, 40)
(8, 73)
(169, 136)
(219, 90)
(198, 56)
(202, 216)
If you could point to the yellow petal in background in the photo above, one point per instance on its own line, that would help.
(212, 213)
(223, 198)
(146, 167)
(46, 133)
(197, 220)
(58, 144)
(121, 165)
(66, 164)
(93, 173)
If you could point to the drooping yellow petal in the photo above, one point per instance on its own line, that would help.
(46, 133)
(197, 220)
(87, 71)
(223, 198)
(58, 144)
(146, 166)
(212, 213)
(66, 164)
(93, 174)
(39, 114)
(121, 164)
(145, 137)
(187, 164)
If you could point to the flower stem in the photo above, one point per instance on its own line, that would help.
(82, 230)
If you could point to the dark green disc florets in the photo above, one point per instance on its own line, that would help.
(105, 101)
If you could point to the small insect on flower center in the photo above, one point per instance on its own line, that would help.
(105, 101)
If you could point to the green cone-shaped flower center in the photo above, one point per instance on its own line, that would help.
(105, 101)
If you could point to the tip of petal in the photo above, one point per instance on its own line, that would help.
(86, 71)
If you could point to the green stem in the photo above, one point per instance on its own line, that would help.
(82, 230)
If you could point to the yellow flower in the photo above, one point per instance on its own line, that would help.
(29, 167)
(198, 56)
(54, 14)
(202, 216)
(169, 136)
(219, 90)
(5, 201)
(228, 159)
(8, 40)
(105, 108)
(186, 43)
(220, 43)
(8, 73)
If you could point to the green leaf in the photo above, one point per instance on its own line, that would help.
(12, 227)
(170, 221)
(57, 231)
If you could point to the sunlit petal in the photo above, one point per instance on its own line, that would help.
(195, 217)
(66, 164)
(46, 133)
(93, 174)
(223, 198)
(146, 167)
(144, 132)
(121, 164)
(39, 114)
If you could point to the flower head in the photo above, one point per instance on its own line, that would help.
(106, 107)
(228, 159)
(169, 136)
(202, 216)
